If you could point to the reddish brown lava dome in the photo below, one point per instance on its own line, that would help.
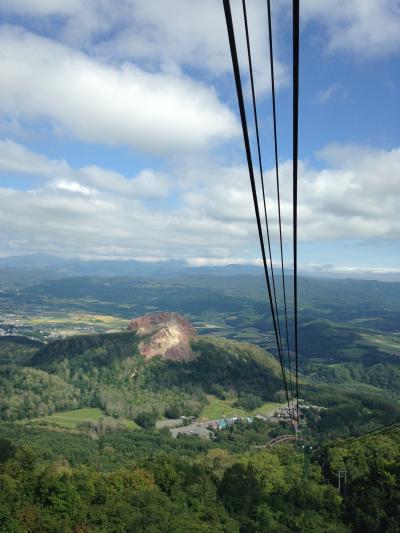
(165, 334)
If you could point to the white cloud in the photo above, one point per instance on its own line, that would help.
(147, 183)
(114, 105)
(42, 7)
(368, 28)
(197, 37)
(97, 212)
(331, 271)
(330, 93)
(15, 158)
(354, 196)
(88, 180)
(49, 220)
(71, 186)
(172, 35)
(213, 261)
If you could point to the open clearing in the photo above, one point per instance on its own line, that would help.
(217, 409)
(385, 343)
(71, 419)
(354, 351)
(267, 409)
(81, 318)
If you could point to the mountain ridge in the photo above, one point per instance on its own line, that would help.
(33, 267)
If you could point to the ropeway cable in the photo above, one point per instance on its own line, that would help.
(271, 60)
(236, 71)
(262, 175)
(296, 46)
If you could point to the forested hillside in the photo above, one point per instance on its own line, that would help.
(106, 371)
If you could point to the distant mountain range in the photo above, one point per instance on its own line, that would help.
(37, 267)
(27, 269)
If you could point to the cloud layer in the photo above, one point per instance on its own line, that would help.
(367, 28)
(98, 212)
(173, 35)
(113, 105)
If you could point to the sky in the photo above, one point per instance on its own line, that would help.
(120, 135)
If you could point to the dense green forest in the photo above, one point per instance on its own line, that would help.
(147, 481)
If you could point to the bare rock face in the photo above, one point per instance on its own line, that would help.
(165, 334)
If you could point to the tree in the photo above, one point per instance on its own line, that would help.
(146, 420)
(240, 491)
(249, 401)
(7, 450)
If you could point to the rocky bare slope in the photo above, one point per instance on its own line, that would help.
(164, 334)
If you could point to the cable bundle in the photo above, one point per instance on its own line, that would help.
(270, 276)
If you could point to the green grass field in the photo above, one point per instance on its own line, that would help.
(387, 343)
(354, 351)
(79, 318)
(266, 409)
(71, 419)
(75, 323)
(217, 409)
(130, 424)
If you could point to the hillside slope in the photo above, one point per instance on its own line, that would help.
(109, 371)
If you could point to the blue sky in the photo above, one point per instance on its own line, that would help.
(120, 137)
